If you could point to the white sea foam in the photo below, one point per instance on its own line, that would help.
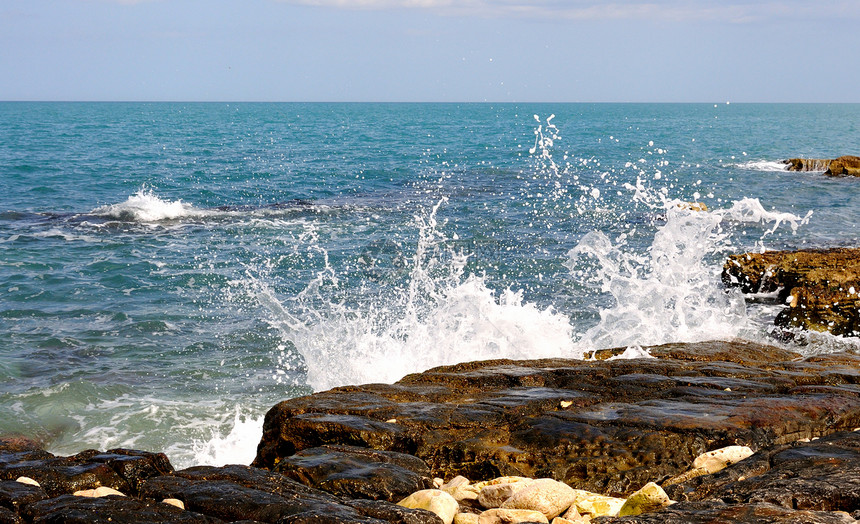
(442, 317)
(208, 432)
(669, 293)
(764, 165)
(145, 206)
(673, 293)
(237, 446)
(750, 210)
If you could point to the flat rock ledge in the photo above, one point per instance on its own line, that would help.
(821, 288)
(842, 166)
(608, 426)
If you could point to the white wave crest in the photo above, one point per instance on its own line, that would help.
(672, 293)
(442, 317)
(764, 165)
(145, 206)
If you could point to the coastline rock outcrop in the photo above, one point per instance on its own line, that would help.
(843, 166)
(603, 426)
(821, 288)
(568, 433)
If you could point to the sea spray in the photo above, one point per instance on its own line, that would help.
(440, 316)
(669, 294)
(146, 206)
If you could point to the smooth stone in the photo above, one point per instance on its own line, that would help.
(461, 489)
(719, 459)
(27, 480)
(466, 518)
(594, 505)
(101, 491)
(571, 516)
(174, 502)
(563, 520)
(547, 496)
(459, 480)
(435, 501)
(511, 516)
(650, 498)
(494, 495)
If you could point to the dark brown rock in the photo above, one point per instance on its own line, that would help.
(68, 509)
(842, 166)
(230, 501)
(14, 495)
(63, 475)
(820, 287)
(255, 478)
(604, 426)
(822, 475)
(718, 512)
(18, 443)
(132, 465)
(8, 516)
(807, 164)
(335, 515)
(352, 472)
(393, 513)
(120, 469)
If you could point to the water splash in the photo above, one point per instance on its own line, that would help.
(439, 316)
(237, 446)
(145, 206)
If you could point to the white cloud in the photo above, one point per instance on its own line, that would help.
(673, 10)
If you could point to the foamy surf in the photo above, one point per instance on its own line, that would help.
(146, 207)
(764, 165)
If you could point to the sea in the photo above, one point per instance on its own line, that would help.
(170, 271)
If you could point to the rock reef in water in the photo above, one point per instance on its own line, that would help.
(606, 426)
(842, 166)
(820, 287)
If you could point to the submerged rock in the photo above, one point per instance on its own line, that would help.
(820, 287)
(629, 422)
(844, 165)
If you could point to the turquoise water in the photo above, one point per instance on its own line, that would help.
(168, 271)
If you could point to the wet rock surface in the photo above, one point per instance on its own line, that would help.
(606, 426)
(209, 494)
(821, 288)
(842, 166)
(355, 472)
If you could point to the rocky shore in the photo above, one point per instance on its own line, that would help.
(821, 288)
(599, 428)
(842, 166)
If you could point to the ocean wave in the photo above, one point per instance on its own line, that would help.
(145, 206)
(764, 165)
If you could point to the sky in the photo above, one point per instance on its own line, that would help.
(431, 50)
